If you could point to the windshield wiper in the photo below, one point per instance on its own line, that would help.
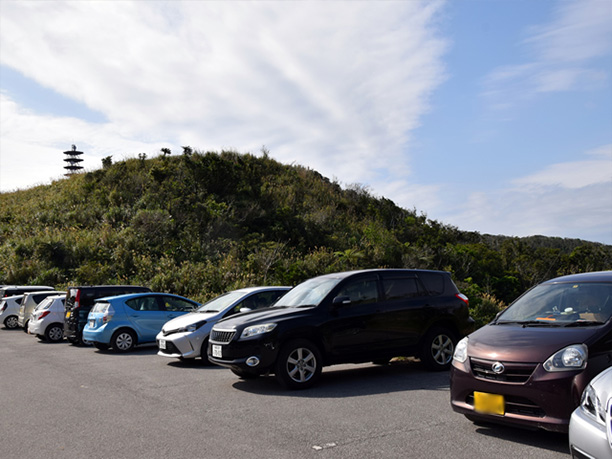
(530, 323)
(584, 323)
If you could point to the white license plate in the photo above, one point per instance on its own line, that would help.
(162, 344)
(216, 351)
(92, 323)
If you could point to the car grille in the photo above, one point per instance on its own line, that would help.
(513, 372)
(170, 349)
(222, 336)
(517, 405)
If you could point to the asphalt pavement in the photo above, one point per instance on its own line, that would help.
(62, 401)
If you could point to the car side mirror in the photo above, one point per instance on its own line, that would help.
(341, 301)
(245, 310)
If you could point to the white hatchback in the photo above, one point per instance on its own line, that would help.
(9, 310)
(186, 337)
(47, 320)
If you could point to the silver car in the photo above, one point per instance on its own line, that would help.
(590, 429)
(186, 337)
(47, 319)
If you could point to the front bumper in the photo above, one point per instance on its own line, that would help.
(544, 401)
(587, 438)
(235, 354)
(180, 345)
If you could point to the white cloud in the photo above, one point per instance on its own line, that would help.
(572, 199)
(332, 85)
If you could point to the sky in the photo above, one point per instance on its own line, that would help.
(492, 116)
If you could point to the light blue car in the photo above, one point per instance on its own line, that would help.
(124, 321)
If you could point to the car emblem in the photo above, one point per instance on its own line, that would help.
(498, 368)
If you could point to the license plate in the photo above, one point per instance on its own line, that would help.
(216, 351)
(92, 323)
(489, 403)
(162, 344)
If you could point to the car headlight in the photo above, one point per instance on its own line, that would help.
(192, 327)
(460, 354)
(591, 404)
(255, 330)
(573, 357)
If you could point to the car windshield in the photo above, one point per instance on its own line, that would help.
(219, 303)
(309, 293)
(564, 304)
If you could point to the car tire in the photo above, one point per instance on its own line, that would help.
(244, 374)
(438, 349)
(101, 346)
(298, 365)
(11, 322)
(54, 333)
(25, 326)
(123, 341)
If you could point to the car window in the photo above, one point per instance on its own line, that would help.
(177, 304)
(360, 291)
(402, 288)
(143, 303)
(434, 282)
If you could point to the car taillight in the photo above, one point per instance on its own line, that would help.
(44, 314)
(463, 298)
(77, 299)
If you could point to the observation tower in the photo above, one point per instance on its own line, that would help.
(73, 161)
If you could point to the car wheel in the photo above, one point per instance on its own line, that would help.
(41, 337)
(123, 341)
(25, 326)
(244, 374)
(11, 322)
(54, 333)
(438, 348)
(298, 365)
(101, 346)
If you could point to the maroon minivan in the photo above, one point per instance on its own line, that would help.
(530, 365)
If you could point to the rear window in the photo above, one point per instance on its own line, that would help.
(100, 307)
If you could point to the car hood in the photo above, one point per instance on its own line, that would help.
(514, 343)
(260, 316)
(188, 319)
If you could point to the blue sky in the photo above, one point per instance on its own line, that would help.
(489, 115)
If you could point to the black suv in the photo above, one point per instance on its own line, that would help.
(350, 317)
(80, 300)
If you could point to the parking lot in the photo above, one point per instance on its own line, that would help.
(62, 401)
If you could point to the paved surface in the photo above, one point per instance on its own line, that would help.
(62, 401)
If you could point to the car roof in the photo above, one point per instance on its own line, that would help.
(344, 274)
(260, 289)
(597, 276)
(127, 296)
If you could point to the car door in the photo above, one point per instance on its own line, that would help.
(405, 307)
(354, 328)
(147, 315)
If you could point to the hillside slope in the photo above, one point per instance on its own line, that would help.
(200, 224)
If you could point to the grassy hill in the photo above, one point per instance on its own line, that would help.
(202, 223)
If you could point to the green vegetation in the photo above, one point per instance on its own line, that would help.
(198, 224)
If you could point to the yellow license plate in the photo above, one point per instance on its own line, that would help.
(68, 315)
(489, 403)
